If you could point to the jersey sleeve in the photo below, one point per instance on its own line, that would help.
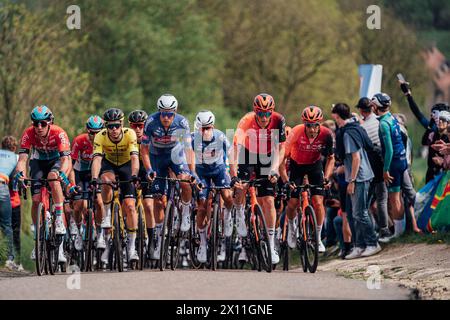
(98, 144)
(134, 149)
(63, 144)
(26, 141)
(75, 149)
(290, 140)
(282, 130)
(389, 149)
(147, 131)
(239, 135)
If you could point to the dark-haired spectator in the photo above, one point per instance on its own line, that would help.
(378, 187)
(8, 162)
(10, 143)
(351, 144)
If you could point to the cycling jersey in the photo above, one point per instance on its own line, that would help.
(118, 153)
(256, 139)
(391, 140)
(163, 141)
(303, 151)
(82, 152)
(210, 154)
(55, 145)
(8, 161)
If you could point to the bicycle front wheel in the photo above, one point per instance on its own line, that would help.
(263, 244)
(89, 241)
(166, 234)
(312, 244)
(140, 238)
(175, 239)
(214, 236)
(117, 243)
(39, 244)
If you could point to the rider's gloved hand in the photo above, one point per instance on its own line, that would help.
(74, 189)
(151, 174)
(93, 183)
(287, 189)
(273, 176)
(135, 179)
(18, 177)
(234, 180)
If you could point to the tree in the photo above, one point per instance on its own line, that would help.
(34, 70)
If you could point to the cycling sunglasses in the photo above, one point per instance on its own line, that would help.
(266, 114)
(137, 125)
(93, 132)
(113, 126)
(167, 114)
(312, 125)
(206, 128)
(43, 123)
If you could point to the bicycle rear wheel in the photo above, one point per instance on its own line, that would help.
(166, 234)
(312, 244)
(39, 243)
(263, 244)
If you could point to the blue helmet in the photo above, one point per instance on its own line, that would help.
(41, 113)
(94, 123)
(381, 100)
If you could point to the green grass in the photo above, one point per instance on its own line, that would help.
(419, 170)
(434, 238)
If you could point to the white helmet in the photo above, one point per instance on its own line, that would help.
(167, 102)
(444, 115)
(203, 119)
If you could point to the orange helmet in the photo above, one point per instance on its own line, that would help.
(288, 130)
(263, 102)
(312, 114)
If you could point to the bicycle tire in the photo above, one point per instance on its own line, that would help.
(117, 243)
(175, 239)
(214, 236)
(166, 233)
(312, 244)
(140, 238)
(89, 242)
(194, 241)
(301, 244)
(39, 243)
(52, 249)
(285, 255)
(263, 244)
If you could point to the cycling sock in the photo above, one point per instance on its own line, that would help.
(185, 207)
(202, 233)
(132, 240)
(150, 233)
(271, 232)
(227, 214)
(240, 210)
(59, 209)
(107, 207)
(399, 227)
(158, 229)
(319, 233)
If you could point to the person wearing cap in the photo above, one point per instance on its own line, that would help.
(378, 187)
(394, 155)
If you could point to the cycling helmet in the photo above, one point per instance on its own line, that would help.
(137, 116)
(440, 107)
(444, 115)
(94, 123)
(41, 113)
(113, 114)
(381, 100)
(312, 114)
(263, 102)
(203, 119)
(167, 102)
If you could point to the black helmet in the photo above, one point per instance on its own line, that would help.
(442, 106)
(113, 114)
(381, 100)
(137, 116)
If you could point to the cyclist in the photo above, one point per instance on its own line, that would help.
(137, 120)
(50, 151)
(259, 145)
(394, 154)
(167, 145)
(210, 148)
(306, 145)
(116, 153)
(82, 153)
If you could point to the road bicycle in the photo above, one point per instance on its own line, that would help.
(47, 242)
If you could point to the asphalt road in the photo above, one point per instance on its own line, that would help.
(195, 284)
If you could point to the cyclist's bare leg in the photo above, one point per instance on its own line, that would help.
(291, 208)
(319, 209)
(129, 206)
(186, 191)
(57, 194)
(202, 217)
(79, 209)
(227, 198)
(36, 199)
(158, 206)
(268, 206)
(148, 209)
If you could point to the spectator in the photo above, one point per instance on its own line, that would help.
(441, 146)
(431, 128)
(377, 187)
(351, 144)
(8, 161)
(10, 143)
(409, 193)
(394, 155)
